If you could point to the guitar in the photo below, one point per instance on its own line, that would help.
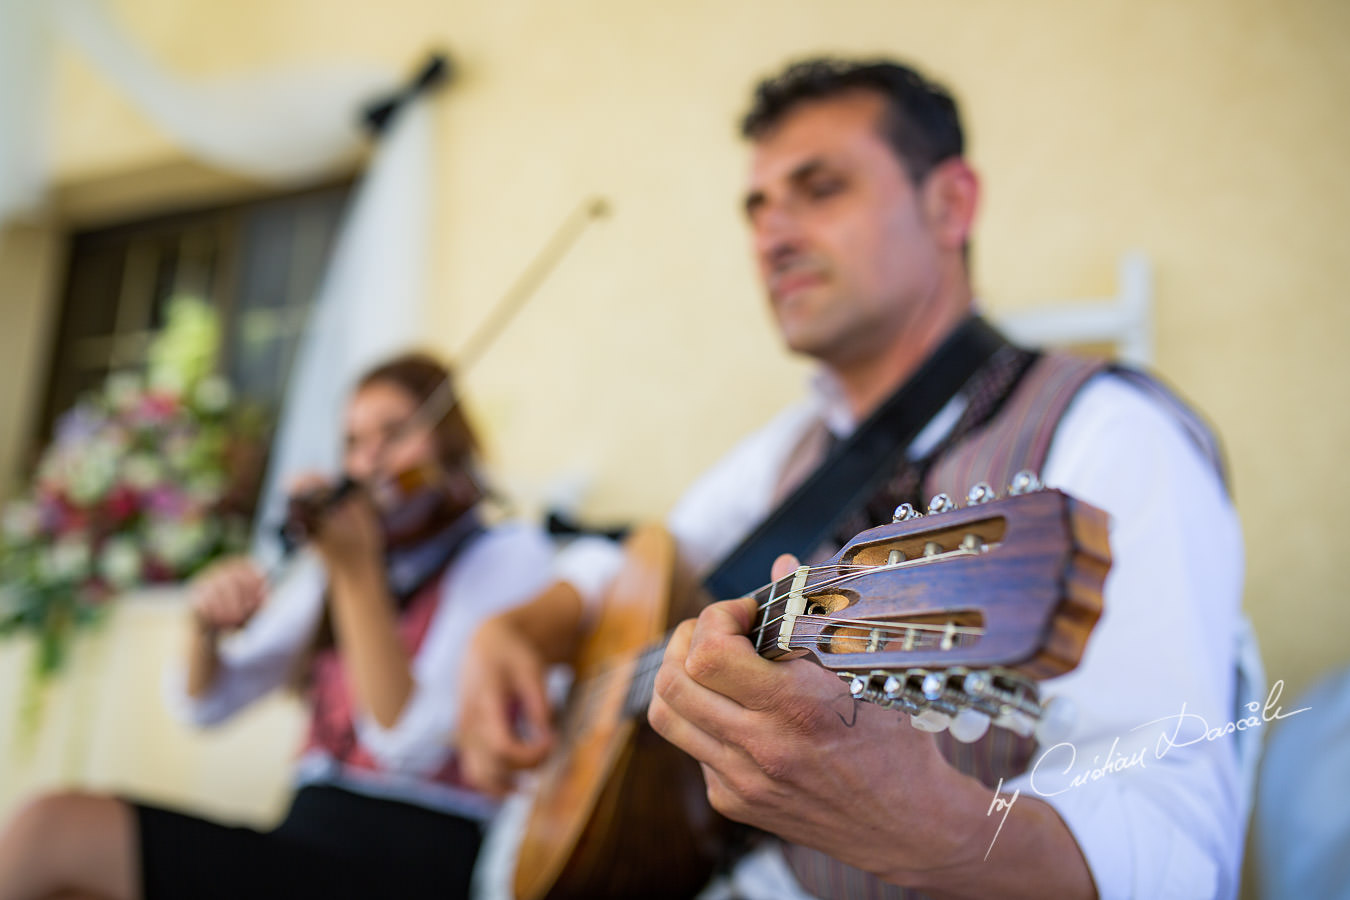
(954, 613)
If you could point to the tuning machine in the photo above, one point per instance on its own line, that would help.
(940, 503)
(1025, 482)
(1008, 698)
(979, 494)
(964, 701)
(904, 512)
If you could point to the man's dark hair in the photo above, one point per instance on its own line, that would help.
(921, 124)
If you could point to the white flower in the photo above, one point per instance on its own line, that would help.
(67, 559)
(142, 471)
(22, 521)
(178, 544)
(91, 477)
(212, 395)
(206, 488)
(120, 562)
(185, 351)
(123, 390)
(177, 450)
(168, 381)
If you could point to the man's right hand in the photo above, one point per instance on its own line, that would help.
(226, 595)
(505, 723)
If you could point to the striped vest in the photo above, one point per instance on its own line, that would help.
(332, 728)
(1014, 404)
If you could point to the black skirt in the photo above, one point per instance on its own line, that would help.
(333, 843)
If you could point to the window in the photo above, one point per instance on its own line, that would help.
(258, 263)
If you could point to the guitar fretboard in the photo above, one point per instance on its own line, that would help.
(643, 681)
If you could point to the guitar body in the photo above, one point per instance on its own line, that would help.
(618, 812)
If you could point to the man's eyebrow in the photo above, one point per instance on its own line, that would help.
(803, 171)
(753, 201)
(806, 170)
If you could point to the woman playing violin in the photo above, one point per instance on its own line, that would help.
(372, 619)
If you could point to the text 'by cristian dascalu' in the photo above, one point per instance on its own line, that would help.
(1180, 730)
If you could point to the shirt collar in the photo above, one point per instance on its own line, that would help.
(827, 396)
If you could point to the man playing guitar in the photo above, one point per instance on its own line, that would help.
(860, 206)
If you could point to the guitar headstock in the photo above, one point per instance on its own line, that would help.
(959, 607)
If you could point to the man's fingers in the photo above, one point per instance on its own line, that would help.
(512, 718)
(535, 714)
(721, 655)
(682, 733)
(483, 772)
(680, 699)
(784, 566)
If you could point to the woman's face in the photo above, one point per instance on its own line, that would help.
(377, 437)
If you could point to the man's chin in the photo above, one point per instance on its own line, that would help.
(803, 341)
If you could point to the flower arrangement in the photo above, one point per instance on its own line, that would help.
(134, 490)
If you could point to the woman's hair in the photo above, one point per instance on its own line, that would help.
(421, 375)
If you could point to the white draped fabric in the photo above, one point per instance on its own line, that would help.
(281, 126)
(24, 102)
(369, 306)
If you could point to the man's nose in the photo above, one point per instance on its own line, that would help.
(778, 237)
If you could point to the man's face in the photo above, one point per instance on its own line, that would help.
(841, 234)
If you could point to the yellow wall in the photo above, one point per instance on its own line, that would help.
(1211, 134)
(31, 256)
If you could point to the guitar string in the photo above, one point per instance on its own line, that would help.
(849, 572)
(871, 624)
(840, 574)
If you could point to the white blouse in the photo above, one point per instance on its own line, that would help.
(501, 568)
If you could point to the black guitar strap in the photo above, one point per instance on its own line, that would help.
(855, 469)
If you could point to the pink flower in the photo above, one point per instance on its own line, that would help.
(120, 505)
(167, 502)
(156, 409)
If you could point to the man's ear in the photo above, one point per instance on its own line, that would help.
(951, 193)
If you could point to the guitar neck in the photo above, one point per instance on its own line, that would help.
(648, 660)
(643, 680)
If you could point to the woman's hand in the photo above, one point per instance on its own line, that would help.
(226, 595)
(347, 534)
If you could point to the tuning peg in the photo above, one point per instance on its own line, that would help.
(980, 493)
(858, 685)
(941, 503)
(1016, 721)
(933, 684)
(976, 684)
(969, 725)
(895, 696)
(904, 512)
(930, 720)
(1024, 482)
(1057, 720)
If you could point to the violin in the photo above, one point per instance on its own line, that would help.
(419, 502)
(412, 504)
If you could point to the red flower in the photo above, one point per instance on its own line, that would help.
(121, 504)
